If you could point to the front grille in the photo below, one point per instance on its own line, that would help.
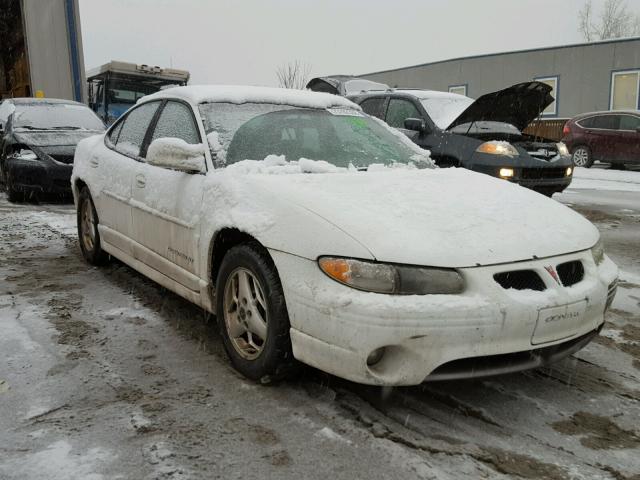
(542, 173)
(520, 280)
(570, 272)
(67, 159)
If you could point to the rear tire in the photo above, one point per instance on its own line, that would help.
(88, 234)
(582, 157)
(252, 315)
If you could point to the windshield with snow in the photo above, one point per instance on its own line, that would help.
(444, 109)
(342, 137)
(55, 116)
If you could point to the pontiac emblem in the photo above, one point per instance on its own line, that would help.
(553, 273)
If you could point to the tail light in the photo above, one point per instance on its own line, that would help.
(566, 130)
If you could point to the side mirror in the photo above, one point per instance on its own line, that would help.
(176, 154)
(415, 124)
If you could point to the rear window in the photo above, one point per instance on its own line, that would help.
(52, 116)
(605, 122)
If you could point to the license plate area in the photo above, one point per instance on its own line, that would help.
(556, 323)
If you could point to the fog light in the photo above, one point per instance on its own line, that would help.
(375, 356)
(506, 172)
(569, 171)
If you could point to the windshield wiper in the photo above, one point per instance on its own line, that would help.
(29, 127)
(67, 127)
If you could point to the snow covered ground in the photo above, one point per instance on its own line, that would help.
(103, 375)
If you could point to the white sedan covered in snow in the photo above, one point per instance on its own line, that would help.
(315, 233)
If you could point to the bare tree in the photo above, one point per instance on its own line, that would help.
(293, 74)
(615, 21)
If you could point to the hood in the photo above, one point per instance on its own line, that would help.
(344, 85)
(518, 105)
(437, 217)
(53, 138)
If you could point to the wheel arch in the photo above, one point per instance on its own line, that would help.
(223, 241)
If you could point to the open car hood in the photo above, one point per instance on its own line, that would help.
(517, 105)
(343, 85)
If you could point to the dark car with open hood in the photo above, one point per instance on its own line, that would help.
(484, 135)
(38, 139)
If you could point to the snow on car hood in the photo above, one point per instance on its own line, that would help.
(53, 138)
(442, 217)
(517, 105)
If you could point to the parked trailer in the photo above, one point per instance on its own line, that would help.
(116, 86)
(41, 49)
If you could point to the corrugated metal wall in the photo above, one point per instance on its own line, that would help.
(54, 48)
(583, 71)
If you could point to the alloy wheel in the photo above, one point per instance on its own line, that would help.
(245, 313)
(87, 227)
(580, 157)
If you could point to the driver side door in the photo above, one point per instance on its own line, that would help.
(167, 203)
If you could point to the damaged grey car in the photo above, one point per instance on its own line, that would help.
(38, 139)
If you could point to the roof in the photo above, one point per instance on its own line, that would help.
(34, 100)
(557, 47)
(608, 112)
(422, 94)
(126, 68)
(237, 94)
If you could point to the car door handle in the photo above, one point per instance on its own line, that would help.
(94, 162)
(141, 182)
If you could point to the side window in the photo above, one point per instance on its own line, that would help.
(606, 122)
(134, 128)
(176, 121)
(115, 133)
(586, 122)
(629, 122)
(399, 110)
(374, 106)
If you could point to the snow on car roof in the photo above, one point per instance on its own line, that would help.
(196, 94)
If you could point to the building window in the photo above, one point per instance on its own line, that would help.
(625, 89)
(553, 82)
(459, 89)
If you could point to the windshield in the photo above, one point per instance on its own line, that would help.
(48, 116)
(342, 137)
(444, 109)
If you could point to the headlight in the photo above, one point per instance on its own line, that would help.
(498, 148)
(562, 149)
(569, 171)
(598, 252)
(392, 279)
(24, 154)
(506, 172)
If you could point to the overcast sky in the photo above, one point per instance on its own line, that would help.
(243, 41)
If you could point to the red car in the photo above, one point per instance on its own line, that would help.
(612, 137)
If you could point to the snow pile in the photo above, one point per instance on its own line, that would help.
(278, 165)
(6, 109)
(176, 153)
(217, 150)
(236, 94)
(601, 179)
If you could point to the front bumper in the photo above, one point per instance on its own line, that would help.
(541, 176)
(39, 176)
(335, 328)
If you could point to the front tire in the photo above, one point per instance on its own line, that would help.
(252, 314)
(88, 234)
(582, 157)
